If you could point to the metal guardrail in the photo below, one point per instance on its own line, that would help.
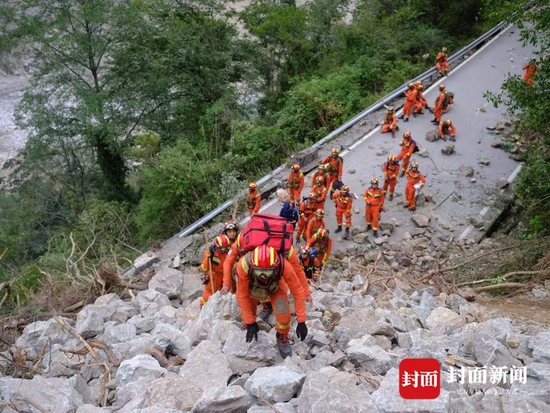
(372, 108)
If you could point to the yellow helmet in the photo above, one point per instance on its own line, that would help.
(390, 108)
(335, 151)
(392, 158)
(411, 85)
(296, 167)
(442, 87)
(444, 49)
(448, 122)
(320, 213)
(321, 168)
(414, 165)
(374, 181)
(252, 186)
(407, 135)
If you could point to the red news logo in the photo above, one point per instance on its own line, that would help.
(419, 378)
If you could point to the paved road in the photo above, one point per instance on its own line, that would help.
(484, 71)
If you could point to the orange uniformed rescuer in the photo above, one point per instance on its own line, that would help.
(391, 170)
(415, 182)
(295, 184)
(253, 199)
(335, 169)
(212, 267)
(259, 279)
(374, 198)
(407, 149)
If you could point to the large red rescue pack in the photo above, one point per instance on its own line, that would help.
(271, 230)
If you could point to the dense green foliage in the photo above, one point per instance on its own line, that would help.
(531, 106)
(144, 115)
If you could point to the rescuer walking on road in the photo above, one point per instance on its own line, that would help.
(343, 201)
(253, 199)
(307, 207)
(408, 147)
(415, 182)
(391, 170)
(295, 184)
(334, 169)
(374, 198)
(441, 63)
(439, 104)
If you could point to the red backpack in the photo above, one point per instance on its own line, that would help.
(271, 230)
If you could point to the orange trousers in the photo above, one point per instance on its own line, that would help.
(438, 111)
(218, 284)
(407, 108)
(388, 128)
(302, 226)
(373, 215)
(318, 262)
(339, 217)
(389, 183)
(405, 159)
(442, 67)
(281, 308)
(330, 180)
(295, 194)
(409, 196)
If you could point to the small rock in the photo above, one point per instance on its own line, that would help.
(496, 144)
(538, 293)
(476, 221)
(502, 183)
(276, 384)
(484, 161)
(395, 266)
(351, 171)
(448, 149)
(466, 171)
(387, 226)
(420, 220)
(431, 136)
(473, 180)
(381, 152)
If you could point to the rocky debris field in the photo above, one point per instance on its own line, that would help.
(157, 352)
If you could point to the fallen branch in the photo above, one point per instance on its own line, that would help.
(441, 203)
(73, 307)
(29, 402)
(454, 267)
(263, 400)
(497, 286)
(502, 278)
(5, 297)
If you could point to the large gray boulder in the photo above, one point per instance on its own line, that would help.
(220, 307)
(372, 358)
(540, 344)
(441, 318)
(192, 287)
(142, 365)
(164, 335)
(90, 321)
(319, 395)
(55, 394)
(118, 333)
(206, 366)
(276, 384)
(167, 281)
(262, 350)
(232, 399)
(150, 301)
(36, 334)
(172, 393)
(118, 310)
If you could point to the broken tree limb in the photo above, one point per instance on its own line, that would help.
(497, 286)
(441, 203)
(454, 267)
(504, 277)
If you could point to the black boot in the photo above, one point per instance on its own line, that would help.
(375, 233)
(331, 194)
(346, 235)
(339, 229)
(391, 197)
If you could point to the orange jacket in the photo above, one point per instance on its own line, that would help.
(295, 180)
(411, 94)
(216, 262)
(343, 203)
(235, 254)
(407, 147)
(445, 129)
(317, 174)
(390, 119)
(530, 70)
(288, 276)
(335, 165)
(440, 101)
(413, 177)
(321, 192)
(253, 201)
(306, 208)
(441, 57)
(390, 171)
(313, 226)
(323, 246)
(373, 196)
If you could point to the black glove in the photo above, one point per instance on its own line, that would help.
(301, 331)
(252, 332)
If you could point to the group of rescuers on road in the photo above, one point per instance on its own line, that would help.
(265, 276)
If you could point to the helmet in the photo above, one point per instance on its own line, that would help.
(321, 167)
(407, 135)
(420, 86)
(335, 151)
(312, 196)
(442, 87)
(345, 188)
(222, 243)
(392, 158)
(263, 263)
(229, 225)
(319, 180)
(448, 122)
(322, 233)
(296, 167)
(303, 250)
(444, 49)
(252, 185)
(411, 84)
(374, 181)
(414, 165)
(390, 108)
(418, 83)
(320, 213)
